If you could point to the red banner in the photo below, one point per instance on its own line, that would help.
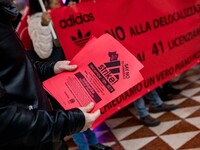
(22, 30)
(163, 35)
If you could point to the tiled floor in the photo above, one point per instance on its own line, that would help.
(179, 129)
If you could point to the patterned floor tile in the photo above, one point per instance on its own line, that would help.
(196, 98)
(112, 123)
(195, 114)
(190, 92)
(177, 140)
(176, 101)
(141, 133)
(135, 144)
(168, 117)
(181, 127)
(193, 78)
(133, 121)
(158, 144)
(164, 126)
(185, 112)
(192, 144)
(194, 121)
(107, 137)
(188, 103)
(124, 132)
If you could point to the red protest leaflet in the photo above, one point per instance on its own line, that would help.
(106, 69)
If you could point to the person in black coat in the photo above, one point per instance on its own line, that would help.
(26, 117)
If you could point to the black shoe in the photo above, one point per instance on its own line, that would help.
(99, 146)
(166, 97)
(149, 121)
(161, 108)
(174, 90)
(171, 90)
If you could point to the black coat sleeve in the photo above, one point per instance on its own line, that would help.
(22, 127)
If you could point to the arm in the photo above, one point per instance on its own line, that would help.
(45, 69)
(40, 35)
(49, 69)
(24, 127)
(19, 89)
(20, 126)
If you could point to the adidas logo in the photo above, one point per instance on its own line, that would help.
(76, 20)
(81, 40)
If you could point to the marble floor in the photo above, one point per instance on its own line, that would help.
(179, 129)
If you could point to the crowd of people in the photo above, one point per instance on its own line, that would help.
(32, 119)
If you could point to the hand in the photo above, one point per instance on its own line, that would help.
(62, 66)
(71, 3)
(45, 19)
(89, 117)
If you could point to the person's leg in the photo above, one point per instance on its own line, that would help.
(157, 104)
(154, 98)
(140, 107)
(145, 118)
(165, 96)
(93, 141)
(91, 137)
(80, 141)
(168, 88)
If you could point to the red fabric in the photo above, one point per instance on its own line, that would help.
(22, 30)
(164, 35)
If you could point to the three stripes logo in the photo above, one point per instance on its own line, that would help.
(114, 64)
(81, 40)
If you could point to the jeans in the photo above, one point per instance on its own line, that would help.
(84, 139)
(154, 100)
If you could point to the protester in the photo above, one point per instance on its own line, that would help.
(27, 120)
(46, 50)
(44, 45)
(156, 105)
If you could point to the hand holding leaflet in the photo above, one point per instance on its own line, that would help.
(106, 69)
